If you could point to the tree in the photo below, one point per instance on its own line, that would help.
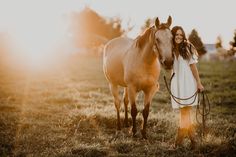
(197, 42)
(147, 24)
(233, 43)
(89, 29)
(232, 50)
(218, 42)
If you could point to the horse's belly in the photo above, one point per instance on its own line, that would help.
(142, 81)
(145, 83)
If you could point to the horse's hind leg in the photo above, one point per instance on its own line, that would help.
(132, 95)
(126, 102)
(115, 93)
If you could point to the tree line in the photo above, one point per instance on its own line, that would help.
(89, 29)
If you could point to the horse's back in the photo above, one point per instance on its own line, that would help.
(113, 55)
(117, 46)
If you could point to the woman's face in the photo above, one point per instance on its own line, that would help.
(179, 36)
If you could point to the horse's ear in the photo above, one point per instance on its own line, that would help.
(169, 21)
(157, 22)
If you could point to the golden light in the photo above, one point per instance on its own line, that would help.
(37, 29)
(37, 39)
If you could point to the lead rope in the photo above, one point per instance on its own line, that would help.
(205, 106)
(177, 98)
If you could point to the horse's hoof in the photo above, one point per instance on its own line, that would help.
(144, 137)
(134, 132)
(126, 125)
(118, 128)
(135, 135)
(144, 134)
(119, 133)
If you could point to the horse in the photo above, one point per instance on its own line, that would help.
(135, 64)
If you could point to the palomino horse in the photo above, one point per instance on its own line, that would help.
(135, 65)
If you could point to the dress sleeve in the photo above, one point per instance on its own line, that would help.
(194, 58)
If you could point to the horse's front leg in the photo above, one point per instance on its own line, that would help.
(115, 93)
(132, 95)
(147, 102)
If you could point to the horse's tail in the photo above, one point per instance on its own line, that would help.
(107, 47)
(105, 54)
(104, 51)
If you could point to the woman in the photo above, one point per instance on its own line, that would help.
(185, 83)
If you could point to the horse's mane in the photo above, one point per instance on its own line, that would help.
(140, 40)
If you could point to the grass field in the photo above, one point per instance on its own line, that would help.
(69, 111)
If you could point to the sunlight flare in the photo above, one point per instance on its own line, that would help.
(36, 31)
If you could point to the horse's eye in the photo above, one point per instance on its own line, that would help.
(157, 40)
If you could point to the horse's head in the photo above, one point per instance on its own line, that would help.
(163, 43)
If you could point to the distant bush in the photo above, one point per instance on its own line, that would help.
(197, 42)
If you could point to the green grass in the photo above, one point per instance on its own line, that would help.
(70, 112)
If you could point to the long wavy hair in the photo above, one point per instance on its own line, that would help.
(184, 50)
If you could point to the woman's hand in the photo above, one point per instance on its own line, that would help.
(200, 87)
(194, 70)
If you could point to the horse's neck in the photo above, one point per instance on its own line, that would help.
(148, 54)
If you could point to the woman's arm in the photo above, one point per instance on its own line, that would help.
(194, 70)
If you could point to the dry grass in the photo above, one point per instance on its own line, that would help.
(69, 112)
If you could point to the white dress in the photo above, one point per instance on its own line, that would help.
(183, 84)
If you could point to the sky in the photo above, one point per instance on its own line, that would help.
(42, 21)
(210, 18)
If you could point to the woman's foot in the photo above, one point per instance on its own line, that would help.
(192, 137)
(182, 133)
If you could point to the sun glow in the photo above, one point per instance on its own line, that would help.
(36, 30)
(37, 40)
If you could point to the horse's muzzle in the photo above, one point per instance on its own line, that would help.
(168, 64)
